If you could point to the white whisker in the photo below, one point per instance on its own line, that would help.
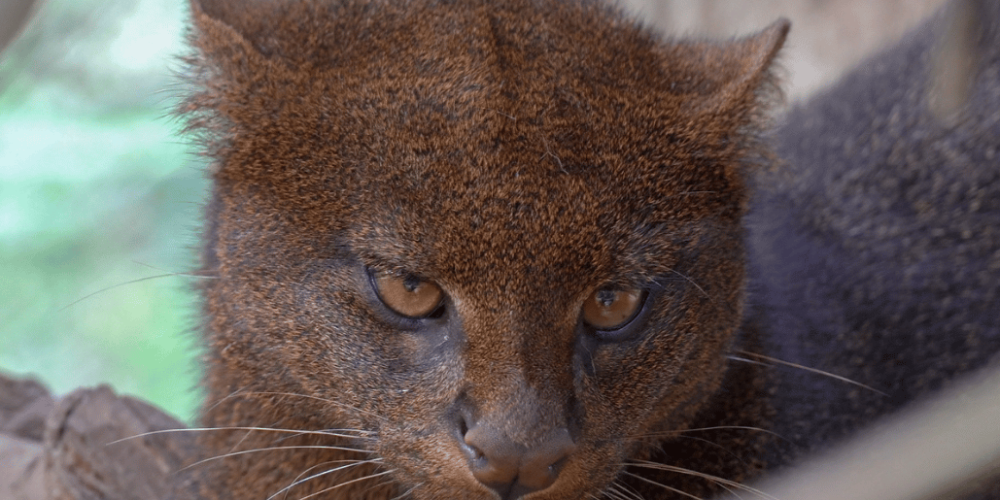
(715, 479)
(661, 485)
(407, 492)
(334, 433)
(776, 361)
(623, 491)
(699, 429)
(689, 280)
(298, 481)
(370, 476)
(292, 394)
(274, 448)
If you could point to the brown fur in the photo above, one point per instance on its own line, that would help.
(521, 154)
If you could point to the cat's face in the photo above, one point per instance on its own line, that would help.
(485, 232)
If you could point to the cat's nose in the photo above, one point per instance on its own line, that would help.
(513, 470)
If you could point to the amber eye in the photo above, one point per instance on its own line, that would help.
(609, 309)
(407, 295)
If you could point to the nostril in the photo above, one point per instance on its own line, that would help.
(472, 450)
(460, 422)
(463, 426)
(475, 453)
(495, 458)
(541, 465)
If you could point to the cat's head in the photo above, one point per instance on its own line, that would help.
(505, 236)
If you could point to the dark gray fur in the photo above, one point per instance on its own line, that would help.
(876, 246)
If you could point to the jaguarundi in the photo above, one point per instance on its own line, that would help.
(531, 249)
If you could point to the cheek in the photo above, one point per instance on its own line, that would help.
(658, 378)
(631, 381)
(350, 353)
(431, 462)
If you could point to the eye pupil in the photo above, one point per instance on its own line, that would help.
(606, 297)
(411, 283)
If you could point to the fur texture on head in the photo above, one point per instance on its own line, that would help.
(519, 154)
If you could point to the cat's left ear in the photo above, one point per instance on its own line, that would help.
(740, 74)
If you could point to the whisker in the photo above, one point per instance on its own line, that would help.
(714, 428)
(680, 434)
(616, 494)
(371, 435)
(292, 394)
(298, 481)
(714, 445)
(627, 488)
(661, 485)
(715, 479)
(384, 482)
(112, 287)
(750, 361)
(195, 274)
(688, 193)
(801, 367)
(335, 433)
(624, 492)
(370, 476)
(689, 280)
(407, 492)
(321, 464)
(275, 448)
(611, 494)
(236, 446)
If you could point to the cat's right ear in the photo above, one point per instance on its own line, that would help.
(229, 31)
(232, 61)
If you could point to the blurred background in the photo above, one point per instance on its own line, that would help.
(96, 191)
(100, 197)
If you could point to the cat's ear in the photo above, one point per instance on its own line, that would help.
(231, 32)
(736, 78)
(229, 66)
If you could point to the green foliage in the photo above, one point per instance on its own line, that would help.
(97, 191)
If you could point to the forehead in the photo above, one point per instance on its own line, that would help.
(565, 82)
(473, 183)
(484, 138)
(516, 214)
